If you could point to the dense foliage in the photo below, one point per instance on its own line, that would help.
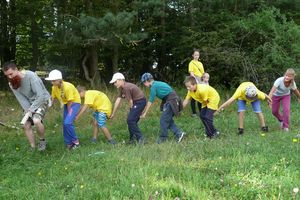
(239, 40)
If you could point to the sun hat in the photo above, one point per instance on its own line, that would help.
(251, 91)
(54, 75)
(146, 77)
(116, 77)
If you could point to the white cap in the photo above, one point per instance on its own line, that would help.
(251, 91)
(116, 77)
(54, 75)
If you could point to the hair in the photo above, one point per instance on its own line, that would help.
(190, 79)
(81, 88)
(290, 71)
(196, 50)
(9, 65)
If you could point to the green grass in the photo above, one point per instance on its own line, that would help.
(252, 166)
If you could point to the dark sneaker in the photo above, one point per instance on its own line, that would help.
(93, 140)
(112, 141)
(42, 145)
(74, 146)
(216, 134)
(265, 129)
(240, 131)
(180, 137)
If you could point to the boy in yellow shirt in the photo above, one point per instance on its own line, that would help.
(209, 99)
(102, 106)
(248, 93)
(69, 97)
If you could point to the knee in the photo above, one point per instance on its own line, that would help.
(36, 121)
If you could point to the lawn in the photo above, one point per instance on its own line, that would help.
(251, 166)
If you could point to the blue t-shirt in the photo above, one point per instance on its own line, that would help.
(159, 89)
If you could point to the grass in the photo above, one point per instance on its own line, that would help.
(252, 166)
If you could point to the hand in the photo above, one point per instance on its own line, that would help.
(112, 116)
(143, 116)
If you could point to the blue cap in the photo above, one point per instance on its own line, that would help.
(146, 77)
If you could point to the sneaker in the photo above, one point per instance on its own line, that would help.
(194, 115)
(216, 134)
(74, 146)
(42, 145)
(285, 129)
(240, 131)
(265, 129)
(93, 140)
(141, 141)
(281, 124)
(180, 137)
(112, 141)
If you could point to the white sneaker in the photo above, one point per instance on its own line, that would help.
(286, 129)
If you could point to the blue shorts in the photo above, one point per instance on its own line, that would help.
(255, 106)
(101, 118)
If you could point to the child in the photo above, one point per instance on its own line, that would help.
(196, 70)
(68, 95)
(137, 102)
(248, 93)
(205, 78)
(209, 98)
(280, 92)
(171, 105)
(100, 103)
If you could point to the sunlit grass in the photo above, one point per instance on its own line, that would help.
(252, 166)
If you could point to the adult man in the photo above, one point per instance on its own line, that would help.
(33, 98)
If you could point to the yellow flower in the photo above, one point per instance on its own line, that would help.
(81, 186)
(263, 135)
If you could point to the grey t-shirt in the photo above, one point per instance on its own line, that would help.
(32, 92)
(281, 89)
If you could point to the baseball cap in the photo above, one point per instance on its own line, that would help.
(116, 77)
(54, 75)
(146, 77)
(251, 92)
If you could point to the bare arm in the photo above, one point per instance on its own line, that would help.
(268, 99)
(272, 92)
(117, 103)
(130, 102)
(146, 109)
(82, 110)
(297, 93)
(185, 102)
(227, 103)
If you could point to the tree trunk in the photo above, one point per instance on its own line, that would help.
(162, 56)
(34, 42)
(90, 67)
(115, 58)
(13, 24)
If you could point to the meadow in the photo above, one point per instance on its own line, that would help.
(252, 166)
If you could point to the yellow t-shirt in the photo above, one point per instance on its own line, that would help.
(68, 92)
(240, 92)
(206, 95)
(196, 67)
(98, 101)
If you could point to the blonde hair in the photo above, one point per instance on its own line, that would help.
(290, 71)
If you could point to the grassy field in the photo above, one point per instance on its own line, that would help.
(252, 166)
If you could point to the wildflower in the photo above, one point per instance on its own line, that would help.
(132, 185)
(296, 190)
(295, 140)
(81, 186)
(263, 135)
(17, 148)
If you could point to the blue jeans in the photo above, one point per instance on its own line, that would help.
(133, 118)
(167, 122)
(70, 136)
(207, 117)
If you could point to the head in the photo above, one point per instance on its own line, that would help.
(196, 54)
(55, 77)
(81, 90)
(147, 79)
(12, 73)
(251, 92)
(118, 79)
(190, 83)
(289, 75)
(205, 78)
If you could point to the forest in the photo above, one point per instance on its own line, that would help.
(89, 40)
